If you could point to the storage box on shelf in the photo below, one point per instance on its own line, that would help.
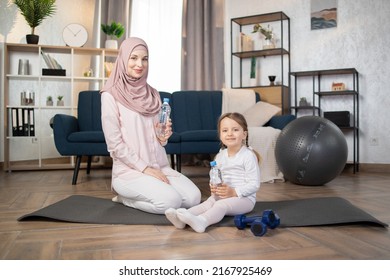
(324, 86)
(56, 73)
(274, 61)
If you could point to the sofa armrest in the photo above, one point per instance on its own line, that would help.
(280, 122)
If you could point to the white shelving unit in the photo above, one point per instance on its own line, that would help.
(37, 151)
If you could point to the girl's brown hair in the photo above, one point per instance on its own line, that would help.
(240, 119)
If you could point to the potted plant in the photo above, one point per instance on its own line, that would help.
(114, 30)
(267, 33)
(60, 102)
(34, 12)
(49, 101)
(303, 102)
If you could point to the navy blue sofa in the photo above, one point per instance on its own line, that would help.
(194, 117)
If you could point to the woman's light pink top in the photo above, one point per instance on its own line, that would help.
(131, 140)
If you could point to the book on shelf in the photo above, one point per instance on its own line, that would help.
(26, 128)
(108, 66)
(14, 122)
(54, 68)
(31, 122)
(51, 63)
(22, 122)
(245, 43)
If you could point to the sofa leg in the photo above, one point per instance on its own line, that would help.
(89, 164)
(173, 161)
(76, 170)
(178, 163)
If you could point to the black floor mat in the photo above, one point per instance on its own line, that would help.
(292, 213)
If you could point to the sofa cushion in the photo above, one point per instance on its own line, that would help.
(199, 136)
(260, 113)
(279, 122)
(87, 137)
(89, 111)
(197, 147)
(175, 138)
(196, 110)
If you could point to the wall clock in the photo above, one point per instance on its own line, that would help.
(75, 35)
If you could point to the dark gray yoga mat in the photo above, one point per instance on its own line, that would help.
(293, 213)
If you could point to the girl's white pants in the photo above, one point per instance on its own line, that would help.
(215, 209)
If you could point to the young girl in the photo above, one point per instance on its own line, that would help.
(239, 165)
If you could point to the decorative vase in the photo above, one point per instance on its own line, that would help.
(24, 67)
(49, 103)
(27, 98)
(303, 102)
(32, 39)
(60, 102)
(111, 44)
(268, 44)
(88, 72)
(271, 80)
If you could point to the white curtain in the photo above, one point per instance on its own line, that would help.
(203, 45)
(159, 24)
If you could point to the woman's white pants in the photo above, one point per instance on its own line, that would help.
(154, 196)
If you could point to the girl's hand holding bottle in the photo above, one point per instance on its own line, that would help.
(223, 191)
(213, 189)
(217, 186)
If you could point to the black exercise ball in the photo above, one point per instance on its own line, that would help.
(311, 151)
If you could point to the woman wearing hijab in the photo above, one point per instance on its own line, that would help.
(141, 175)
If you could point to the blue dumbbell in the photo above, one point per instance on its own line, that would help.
(271, 219)
(258, 224)
(258, 227)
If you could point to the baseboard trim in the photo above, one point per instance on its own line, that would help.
(374, 167)
(369, 168)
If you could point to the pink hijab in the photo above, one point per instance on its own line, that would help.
(135, 94)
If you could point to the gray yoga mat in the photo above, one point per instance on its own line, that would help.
(293, 213)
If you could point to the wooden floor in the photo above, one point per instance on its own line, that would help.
(24, 192)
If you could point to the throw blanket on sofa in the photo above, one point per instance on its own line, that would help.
(262, 139)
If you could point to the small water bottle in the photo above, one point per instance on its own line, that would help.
(215, 175)
(163, 117)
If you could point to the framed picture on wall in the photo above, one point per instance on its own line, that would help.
(323, 14)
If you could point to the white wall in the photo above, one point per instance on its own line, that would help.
(13, 27)
(361, 40)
